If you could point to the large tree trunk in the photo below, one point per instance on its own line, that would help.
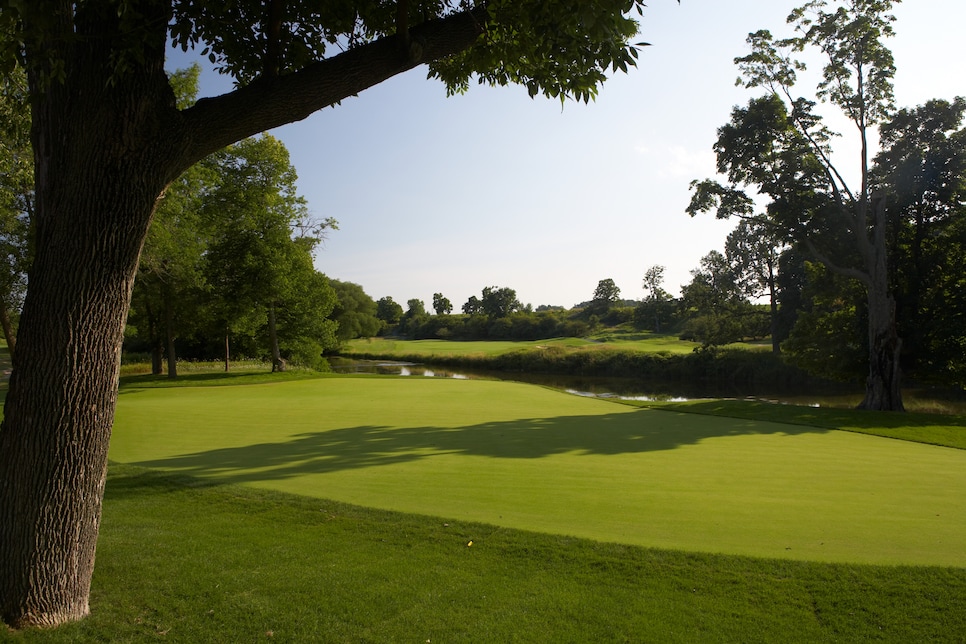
(882, 387)
(60, 407)
(99, 167)
(107, 139)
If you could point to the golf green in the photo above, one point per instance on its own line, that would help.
(522, 456)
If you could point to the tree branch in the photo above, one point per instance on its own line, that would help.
(273, 37)
(214, 123)
(854, 273)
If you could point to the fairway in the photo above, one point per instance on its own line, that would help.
(522, 456)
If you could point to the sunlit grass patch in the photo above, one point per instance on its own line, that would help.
(182, 562)
(527, 457)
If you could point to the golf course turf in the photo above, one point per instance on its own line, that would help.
(526, 457)
(249, 512)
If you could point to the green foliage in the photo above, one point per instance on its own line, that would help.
(16, 196)
(498, 302)
(170, 289)
(355, 312)
(561, 49)
(922, 171)
(714, 307)
(231, 248)
(517, 326)
(441, 304)
(605, 296)
(656, 359)
(780, 147)
(257, 269)
(586, 39)
(829, 337)
(606, 291)
(388, 311)
(655, 310)
(858, 74)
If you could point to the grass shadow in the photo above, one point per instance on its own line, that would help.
(139, 382)
(946, 430)
(372, 445)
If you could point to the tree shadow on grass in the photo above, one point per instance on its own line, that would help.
(372, 446)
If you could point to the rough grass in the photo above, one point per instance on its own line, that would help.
(183, 562)
(527, 457)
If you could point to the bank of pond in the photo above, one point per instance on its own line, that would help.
(639, 375)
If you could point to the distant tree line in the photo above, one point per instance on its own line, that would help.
(495, 314)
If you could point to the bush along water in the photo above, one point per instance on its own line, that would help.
(738, 367)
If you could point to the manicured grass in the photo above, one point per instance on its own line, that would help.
(182, 562)
(934, 429)
(526, 457)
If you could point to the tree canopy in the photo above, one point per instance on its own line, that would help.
(779, 146)
(110, 136)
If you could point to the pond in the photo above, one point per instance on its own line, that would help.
(590, 386)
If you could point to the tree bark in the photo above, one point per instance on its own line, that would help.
(882, 387)
(277, 363)
(60, 407)
(169, 334)
(227, 349)
(157, 349)
(107, 139)
(8, 333)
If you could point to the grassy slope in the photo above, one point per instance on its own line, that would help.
(540, 460)
(632, 342)
(183, 563)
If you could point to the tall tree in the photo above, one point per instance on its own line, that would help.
(780, 146)
(753, 250)
(441, 304)
(108, 137)
(354, 312)
(921, 169)
(472, 306)
(499, 302)
(714, 303)
(657, 304)
(256, 266)
(605, 296)
(389, 311)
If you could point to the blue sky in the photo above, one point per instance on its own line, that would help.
(492, 188)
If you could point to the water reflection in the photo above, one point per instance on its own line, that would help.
(588, 386)
(661, 391)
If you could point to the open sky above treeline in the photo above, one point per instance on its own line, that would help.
(492, 188)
